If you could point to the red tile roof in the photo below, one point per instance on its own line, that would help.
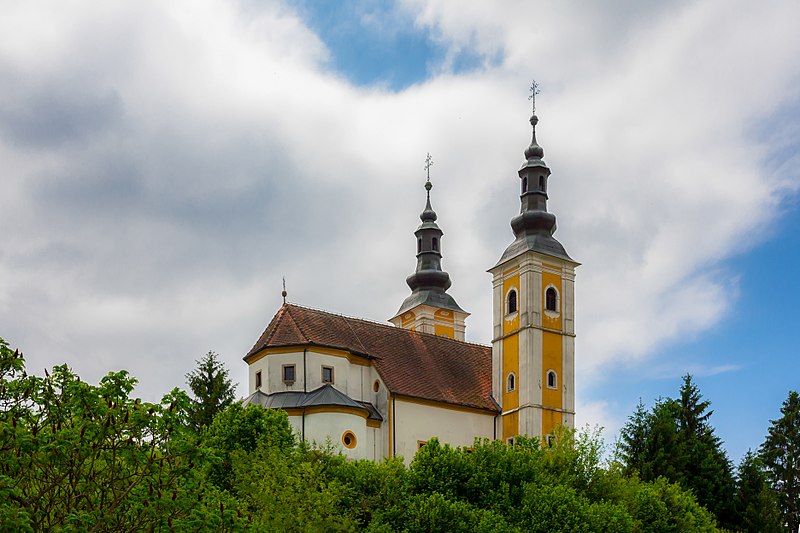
(410, 363)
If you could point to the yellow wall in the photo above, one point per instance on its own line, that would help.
(551, 360)
(408, 319)
(510, 425)
(444, 331)
(511, 360)
(445, 323)
(551, 279)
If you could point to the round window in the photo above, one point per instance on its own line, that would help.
(349, 439)
(376, 386)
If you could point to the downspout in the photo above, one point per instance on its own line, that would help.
(305, 389)
(394, 429)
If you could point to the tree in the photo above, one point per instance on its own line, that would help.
(781, 454)
(675, 440)
(756, 504)
(213, 390)
(631, 446)
(80, 457)
(704, 466)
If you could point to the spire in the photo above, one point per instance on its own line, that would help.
(534, 226)
(429, 282)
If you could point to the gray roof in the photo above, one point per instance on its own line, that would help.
(325, 395)
(434, 298)
(541, 243)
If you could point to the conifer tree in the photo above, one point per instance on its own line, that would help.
(212, 389)
(756, 504)
(781, 454)
(705, 467)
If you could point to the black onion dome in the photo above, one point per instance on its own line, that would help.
(429, 282)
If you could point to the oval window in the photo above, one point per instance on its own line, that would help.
(376, 386)
(349, 439)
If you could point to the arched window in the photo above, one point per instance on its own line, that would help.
(551, 299)
(541, 183)
(552, 379)
(551, 440)
(524, 185)
(511, 303)
(419, 245)
(435, 244)
(511, 382)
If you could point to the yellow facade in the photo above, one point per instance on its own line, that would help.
(511, 361)
(552, 358)
(445, 323)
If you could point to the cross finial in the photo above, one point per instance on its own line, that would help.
(283, 293)
(428, 165)
(534, 90)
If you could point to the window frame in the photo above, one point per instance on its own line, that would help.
(259, 382)
(284, 368)
(509, 311)
(553, 373)
(511, 382)
(324, 368)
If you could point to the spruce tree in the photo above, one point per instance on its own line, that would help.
(756, 504)
(781, 454)
(213, 390)
(703, 465)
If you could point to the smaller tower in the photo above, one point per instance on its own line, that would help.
(429, 308)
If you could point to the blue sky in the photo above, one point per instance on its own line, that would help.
(166, 165)
(745, 363)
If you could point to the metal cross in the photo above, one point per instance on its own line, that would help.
(428, 165)
(534, 90)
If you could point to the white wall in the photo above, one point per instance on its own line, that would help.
(416, 422)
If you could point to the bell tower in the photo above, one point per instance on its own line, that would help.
(533, 345)
(429, 308)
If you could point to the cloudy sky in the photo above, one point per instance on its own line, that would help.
(164, 164)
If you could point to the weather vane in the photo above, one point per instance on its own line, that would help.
(284, 290)
(428, 165)
(534, 90)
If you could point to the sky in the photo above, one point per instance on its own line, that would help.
(164, 165)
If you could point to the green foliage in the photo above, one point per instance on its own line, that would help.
(213, 390)
(79, 457)
(243, 429)
(676, 441)
(756, 504)
(781, 455)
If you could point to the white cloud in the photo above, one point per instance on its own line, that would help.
(168, 163)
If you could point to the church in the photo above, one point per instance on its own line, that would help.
(384, 389)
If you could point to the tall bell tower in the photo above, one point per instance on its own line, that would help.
(429, 308)
(533, 345)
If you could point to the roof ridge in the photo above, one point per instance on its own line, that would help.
(383, 325)
(296, 324)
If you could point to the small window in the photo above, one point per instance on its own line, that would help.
(510, 441)
(258, 379)
(376, 386)
(435, 244)
(511, 304)
(524, 185)
(421, 443)
(552, 379)
(511, 382)
(288, 374)
(327, 374)
(551, 299)
(419, 245)
(349, 439)
(551, 440)
(541, 183)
